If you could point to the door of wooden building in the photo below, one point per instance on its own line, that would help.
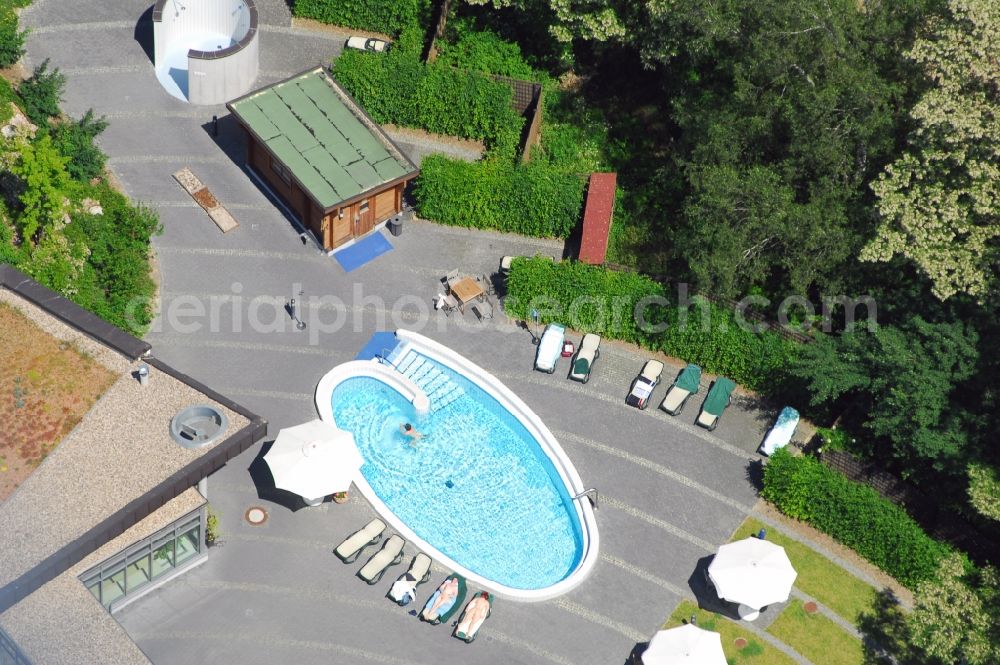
(365, 219)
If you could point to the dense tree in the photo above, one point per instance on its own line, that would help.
(784, 116)
(596, 20)
(903, 379)
(956, 618)
(984, 490)
(940, 202)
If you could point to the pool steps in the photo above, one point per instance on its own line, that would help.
(440, 389)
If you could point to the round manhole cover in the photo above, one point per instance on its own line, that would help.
(256, 516)
(810, 607)
(740, 642)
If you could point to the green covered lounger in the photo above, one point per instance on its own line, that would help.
(687, 384)
(720, 395)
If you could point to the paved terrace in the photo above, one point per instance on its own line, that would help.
(670, 493)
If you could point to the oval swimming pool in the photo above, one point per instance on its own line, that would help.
(477, 486)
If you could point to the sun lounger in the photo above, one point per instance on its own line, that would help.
(390, 554)
(419, 572)
(549, 347)
(450, 609)
(583, 362)
(781, 434)
(352, 547)
(469, 632)
(644, 384)
(720, 395)
(687, 384)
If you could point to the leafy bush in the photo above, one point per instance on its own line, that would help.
(386, 16)
(610, 303)
(530, 199)
(75, 140)
(834, 439)
(45, 185)
(42, 93)
(483, 51)
(11, 39)
(854, 514)
(118, 241)
(396, 87)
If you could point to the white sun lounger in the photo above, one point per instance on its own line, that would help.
(675, 399)
(549, 347)
(390, 554)
(644, 384)
(349, 550)
(781, 434)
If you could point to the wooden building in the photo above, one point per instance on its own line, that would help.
(316, 148)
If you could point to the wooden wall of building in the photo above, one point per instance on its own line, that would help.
(332, 229)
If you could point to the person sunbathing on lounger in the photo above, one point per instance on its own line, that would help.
(442, 600)
(475, 614)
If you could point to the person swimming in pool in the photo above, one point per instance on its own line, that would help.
(406, 429)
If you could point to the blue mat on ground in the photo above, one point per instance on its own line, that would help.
(363, 251)
(379, 343)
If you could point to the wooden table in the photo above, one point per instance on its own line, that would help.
(466, 290)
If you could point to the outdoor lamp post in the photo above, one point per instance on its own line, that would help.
(534, 331)
(293, 310)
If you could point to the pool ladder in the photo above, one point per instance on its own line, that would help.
(590, 494)
(383, 357)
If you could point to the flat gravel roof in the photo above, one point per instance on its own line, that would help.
(109, 470)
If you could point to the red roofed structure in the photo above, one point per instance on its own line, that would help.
(597, 217)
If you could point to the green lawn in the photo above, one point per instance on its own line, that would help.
(818, 577)
(757, 652)
(816, 637)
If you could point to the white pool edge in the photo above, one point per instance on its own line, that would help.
(495, 388)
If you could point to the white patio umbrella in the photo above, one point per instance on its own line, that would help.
(685, 645)
(314, 459)
(752, 572)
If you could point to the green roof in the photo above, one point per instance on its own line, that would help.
(322, 141)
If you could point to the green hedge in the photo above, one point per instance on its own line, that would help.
(854, 514)
(386, 16)
(529, 199)
(396, 87)
(594, 299)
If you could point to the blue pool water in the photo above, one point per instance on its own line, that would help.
(476, 486)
